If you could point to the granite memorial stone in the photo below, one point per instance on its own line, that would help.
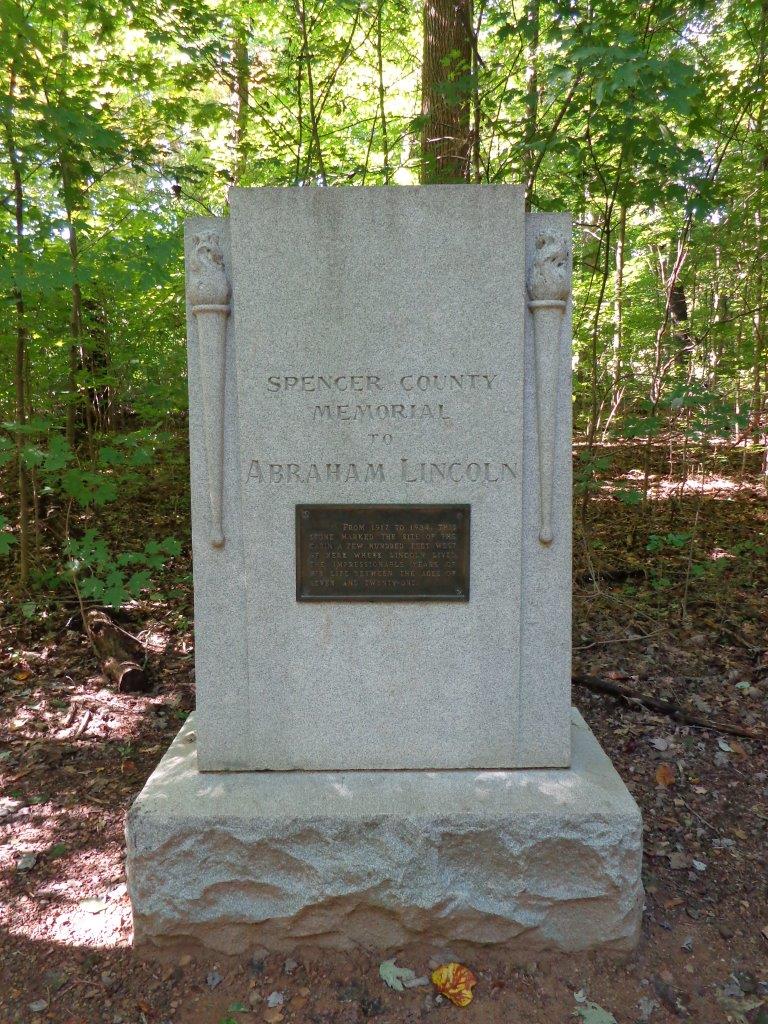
(376, 356)
(381, 509)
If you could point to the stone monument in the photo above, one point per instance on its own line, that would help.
(384, 748)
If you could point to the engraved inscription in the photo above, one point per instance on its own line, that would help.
(382, 552)
(407, 471)
(362, 397)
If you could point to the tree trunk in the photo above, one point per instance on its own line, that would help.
(76, 360)
(305, 61)
(382, 110)
(758, 412)
(618, 307)
(445, 95)
(242, 89)
(20, 368)
(531, 102)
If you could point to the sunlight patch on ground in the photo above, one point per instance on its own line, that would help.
(95, 922)
(717, 553)
(662, 488)
(154, 641)
(86, 902)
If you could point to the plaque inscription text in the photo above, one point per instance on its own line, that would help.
(382, 552)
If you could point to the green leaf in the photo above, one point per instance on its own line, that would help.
(88, 488)
(678, 540)
(140, 457)
(629, 497)
(7, 451)
(7, 540)
(111, 456)
(137, 582)
(58, 455)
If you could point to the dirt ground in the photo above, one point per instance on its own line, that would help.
(687, 624)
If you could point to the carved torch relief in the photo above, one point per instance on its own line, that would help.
(549, 285)
(209, 295)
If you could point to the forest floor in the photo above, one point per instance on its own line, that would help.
(679, 612)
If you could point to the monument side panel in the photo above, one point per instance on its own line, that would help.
(379, 348)
(544, 735)
(223, 732)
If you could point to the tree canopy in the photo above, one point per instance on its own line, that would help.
(645, 120)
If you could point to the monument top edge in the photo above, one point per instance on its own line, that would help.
(243, 198)
(378, 197)
(327, 190)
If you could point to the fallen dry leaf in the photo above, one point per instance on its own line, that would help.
(274, 1015)
(455, 982)
(665, 775)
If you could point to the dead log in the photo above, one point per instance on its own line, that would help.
(118, 652)
(664, 707)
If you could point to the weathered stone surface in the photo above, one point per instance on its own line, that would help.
(535, 859)
(383, 285)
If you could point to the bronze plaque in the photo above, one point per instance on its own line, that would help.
(382, 552)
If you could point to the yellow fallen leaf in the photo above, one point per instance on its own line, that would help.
(455, 982)
(21, 677)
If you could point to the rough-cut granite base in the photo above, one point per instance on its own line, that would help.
(533, 858)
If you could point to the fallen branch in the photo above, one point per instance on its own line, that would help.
(118, 660)
(620, 640)
(665, 707)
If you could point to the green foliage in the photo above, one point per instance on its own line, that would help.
(675, 541)
(112, 579)
(7, 539)
(118, 122)
(588, 467)
(629, 496)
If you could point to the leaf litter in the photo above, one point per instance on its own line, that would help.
(714, 812)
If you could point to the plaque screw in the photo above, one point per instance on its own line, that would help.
(305, 514)
(459, 515)
(459, 590)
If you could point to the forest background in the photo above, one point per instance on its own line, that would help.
(646, 120)
(117, 121)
